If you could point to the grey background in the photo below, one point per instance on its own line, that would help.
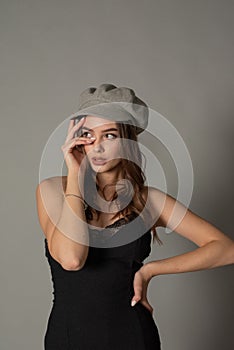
(178, 56)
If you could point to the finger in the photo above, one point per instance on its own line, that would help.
(135, 300)
(85, 141)
(75, 127)
(71, 124)
(137, 285)
(76, 141)
(137, 297)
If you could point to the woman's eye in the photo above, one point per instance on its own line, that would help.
(113, 136)
(87, 134)
(84, 134)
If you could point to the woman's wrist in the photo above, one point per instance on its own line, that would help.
(74, 184)
(77, 196)
(149, 270)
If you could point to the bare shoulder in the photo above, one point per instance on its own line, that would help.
(150, 190)
(154, 196)
(155, 200)
(54, 181)
(161, 205)
(50, 193)
(49, 199)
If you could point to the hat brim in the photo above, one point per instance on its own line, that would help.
(110, 111)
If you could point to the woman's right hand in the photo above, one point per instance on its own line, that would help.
(72, 156)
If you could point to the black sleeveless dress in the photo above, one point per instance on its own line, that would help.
(92, 306)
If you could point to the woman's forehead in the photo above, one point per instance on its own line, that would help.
(92, 122)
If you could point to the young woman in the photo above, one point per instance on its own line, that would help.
(100, 292)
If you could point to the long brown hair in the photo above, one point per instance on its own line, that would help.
(132, 171)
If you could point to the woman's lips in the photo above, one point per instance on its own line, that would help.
(98, 161)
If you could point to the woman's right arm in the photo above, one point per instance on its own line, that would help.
(63, 222)
(63, 219)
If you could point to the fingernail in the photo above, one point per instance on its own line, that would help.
(133, 302)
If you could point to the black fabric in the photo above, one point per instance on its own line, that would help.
(92, 306)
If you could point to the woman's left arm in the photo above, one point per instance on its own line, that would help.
(214, 247)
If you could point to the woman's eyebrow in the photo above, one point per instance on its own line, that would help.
(110, 129)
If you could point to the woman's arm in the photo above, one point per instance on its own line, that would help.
(63, 221)
(215, 248)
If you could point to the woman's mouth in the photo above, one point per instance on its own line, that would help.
(98, 161)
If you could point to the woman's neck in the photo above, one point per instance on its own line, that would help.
(109, 177)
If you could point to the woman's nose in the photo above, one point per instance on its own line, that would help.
(98, 145)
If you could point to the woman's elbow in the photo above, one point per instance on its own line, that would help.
(228, 252)
(74, 265)
(232, 253)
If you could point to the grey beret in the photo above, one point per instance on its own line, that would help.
(114, 103)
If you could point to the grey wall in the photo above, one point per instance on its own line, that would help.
(178, 56)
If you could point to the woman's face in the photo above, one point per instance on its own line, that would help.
(104, 151)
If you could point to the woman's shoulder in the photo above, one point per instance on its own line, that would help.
(152, 193)
(54, 182)
(155, 198)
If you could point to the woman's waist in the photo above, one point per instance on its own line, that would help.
(109, 280)
(94, 300)
(109, 288)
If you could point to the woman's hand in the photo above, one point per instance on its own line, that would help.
(72, 156)
(140, 284)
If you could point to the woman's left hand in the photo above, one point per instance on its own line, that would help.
(140, 284)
